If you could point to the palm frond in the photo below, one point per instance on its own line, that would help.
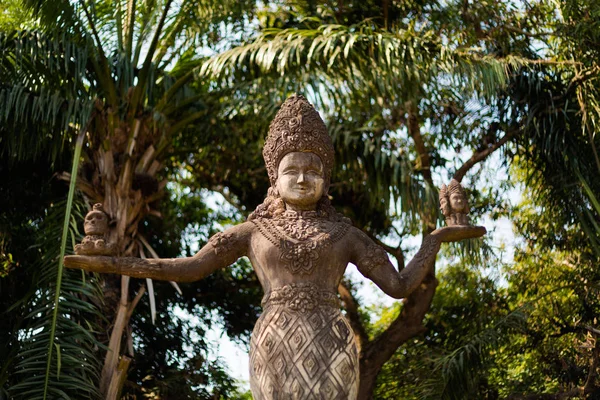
(75, 365)
(59, 274)
(36, 59)
(28, 117)
(389, 177)
(57, 15)
(561, 148)
(45, 91)
(405, 58)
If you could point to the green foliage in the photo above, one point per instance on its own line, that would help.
(471, 72)
(13, 16)
(27, 192)
(561, 140)
(461, 370)
(97, 66)
(468, 318)
(362, 53)
(75, 364)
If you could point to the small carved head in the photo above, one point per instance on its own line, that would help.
(457, 198)
(96, 221)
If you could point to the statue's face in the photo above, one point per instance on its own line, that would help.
(457, 202)
(300, 180)
(96, 223)
(443, 202)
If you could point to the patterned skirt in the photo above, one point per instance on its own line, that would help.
(302, 347)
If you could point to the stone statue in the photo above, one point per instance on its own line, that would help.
(95, 227)
(302, 347)
(454, 204)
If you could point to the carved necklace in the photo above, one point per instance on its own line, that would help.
(301, 237)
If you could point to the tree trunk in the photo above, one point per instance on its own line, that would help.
(408, 325)
(123, 180)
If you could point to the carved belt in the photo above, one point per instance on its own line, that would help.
(301, 297)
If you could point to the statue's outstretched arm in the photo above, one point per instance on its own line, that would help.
(373, 262)
(222, 249)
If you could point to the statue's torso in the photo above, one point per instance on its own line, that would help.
(296, 249)
(302, 347)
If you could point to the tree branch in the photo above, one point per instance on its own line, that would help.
(593, 372)
(414, 130)
(482, 155)
(408, 325)
(424, 159)
(353, 315)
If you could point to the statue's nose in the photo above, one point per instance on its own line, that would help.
(300, 178)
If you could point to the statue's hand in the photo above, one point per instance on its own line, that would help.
(457, 233)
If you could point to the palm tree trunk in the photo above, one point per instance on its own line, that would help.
(116, 161)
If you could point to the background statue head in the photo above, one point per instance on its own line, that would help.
(453, 204)
(457, 198)
(96, 221)
(297, 143)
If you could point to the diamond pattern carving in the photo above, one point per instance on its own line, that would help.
(297, 340)
(342, 330)
(297, 390)
(328, 344)
(302, 353)
(315, 321)
(329, 389)
(269, 343)
(311, 364)
(283, 320)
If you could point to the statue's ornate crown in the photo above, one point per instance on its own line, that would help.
(297, 127)
(455, 187)
(443, 192)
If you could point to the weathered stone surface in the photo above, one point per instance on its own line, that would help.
(302, 347)
(95, 227)
(454, 204)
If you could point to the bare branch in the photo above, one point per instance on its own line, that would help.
(514, 29)
(408, 325)
(592, 329)
(353, 315)
(414, 130)
(479, 156)
(424, 159)
(593, 372)
(135, 301)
